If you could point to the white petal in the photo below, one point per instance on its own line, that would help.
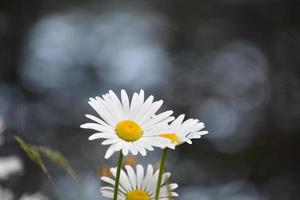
(112, 107)
(138, 106)
(156, 119)
(158, 141)
(133, 105)
(96, 119)
(116, 101)
(165, 177)
(120, 145)
(186, 127)
(108, 180)
(132, 149)
(189, 141)
(177, 122)
(174, 194)
(148, 175)
(110, 141)
(125, 101)
(140, 148)
(107, 194)
(153, 109)
(97, 127)
(139, 176)
(102, 110)
(110, 151)
(125, 149)
(102, 135)
(143, 113)
(165, 191)
(111, 182)
(151, 187)
(144, 142)
(124, 182)
(131, 176)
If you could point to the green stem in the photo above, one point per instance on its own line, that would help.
(118, 176)
(161, 171)
(59, 196)
(75, 177)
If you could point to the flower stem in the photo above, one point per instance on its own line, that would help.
(118, 176)
(161, 171)
(59, 196)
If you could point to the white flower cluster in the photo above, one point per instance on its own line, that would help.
(135, 126)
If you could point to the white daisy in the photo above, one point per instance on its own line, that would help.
(180, 131)
(139, 185)
(128, 126)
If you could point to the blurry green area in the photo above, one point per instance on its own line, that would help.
(35, 153)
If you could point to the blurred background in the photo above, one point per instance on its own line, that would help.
(233, 64)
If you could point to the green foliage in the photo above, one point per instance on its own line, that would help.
(32, 152)
(56, 157)
(35, 153)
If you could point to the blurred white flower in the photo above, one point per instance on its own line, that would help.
(6, 194)
(10, 165)
(35, 196)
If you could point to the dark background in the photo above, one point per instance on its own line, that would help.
(233, 64)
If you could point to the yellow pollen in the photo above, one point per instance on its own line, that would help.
(128, 130)
(137, 195)
(171, 136)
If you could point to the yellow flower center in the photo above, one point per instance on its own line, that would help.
(128, 130)
(137, 195)
(171, 136)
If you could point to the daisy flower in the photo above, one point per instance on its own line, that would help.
(128, 126)
(180, 131)
(139, 185)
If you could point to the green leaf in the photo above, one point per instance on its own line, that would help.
(56, 157)
(32, 153)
